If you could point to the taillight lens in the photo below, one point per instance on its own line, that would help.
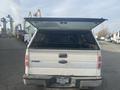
(26, 61)
(99, 62)
(26, 64)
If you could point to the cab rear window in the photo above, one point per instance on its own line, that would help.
(64, 39)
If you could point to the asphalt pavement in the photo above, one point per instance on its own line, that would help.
(12, 66)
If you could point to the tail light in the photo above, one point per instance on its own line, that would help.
(26, 62)
(99, 62)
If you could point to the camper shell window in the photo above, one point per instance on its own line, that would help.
(64, 39)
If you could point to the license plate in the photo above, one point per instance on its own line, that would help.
(63, 80)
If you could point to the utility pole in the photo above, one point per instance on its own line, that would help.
(11, 23)
(30, 14)
(4, 21)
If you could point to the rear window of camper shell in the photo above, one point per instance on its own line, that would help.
(64, 39)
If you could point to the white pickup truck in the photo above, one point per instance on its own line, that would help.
(63, 53)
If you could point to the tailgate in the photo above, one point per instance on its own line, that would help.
(60, 62)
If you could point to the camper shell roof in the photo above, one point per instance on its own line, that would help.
(64, 23)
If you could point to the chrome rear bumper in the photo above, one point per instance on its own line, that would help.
(49, 81)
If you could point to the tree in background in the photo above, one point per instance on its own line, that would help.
(103, 32)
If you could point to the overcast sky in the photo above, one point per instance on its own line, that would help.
(108, 9)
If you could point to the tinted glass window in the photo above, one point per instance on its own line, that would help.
(72, 39)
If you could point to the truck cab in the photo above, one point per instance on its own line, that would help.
(63, 52)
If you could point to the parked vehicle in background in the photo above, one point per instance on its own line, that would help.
(20, 34)
(102, 38)
(63, 53)
(108, 38)
(116, 37)
(26, 38)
